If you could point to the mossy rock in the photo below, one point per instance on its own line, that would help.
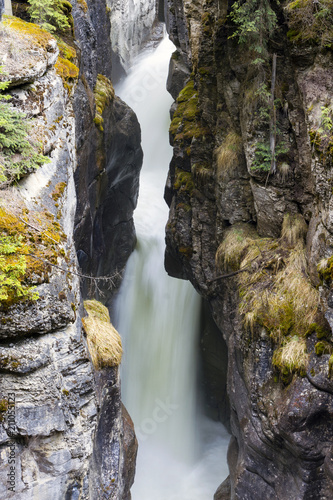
(323, 348)
(104, 93)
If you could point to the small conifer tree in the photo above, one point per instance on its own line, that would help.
(48, 14)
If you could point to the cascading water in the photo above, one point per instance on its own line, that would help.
(181, 453)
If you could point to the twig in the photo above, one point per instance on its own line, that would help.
(230, 274)
(85, 276)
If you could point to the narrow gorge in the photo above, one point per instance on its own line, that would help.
(234, 348)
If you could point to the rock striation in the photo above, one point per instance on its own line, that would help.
(240, 212)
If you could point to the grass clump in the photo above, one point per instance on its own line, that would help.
(227, 155)
(104, 94)
(292, 356)
(104, 342)
(275, 290)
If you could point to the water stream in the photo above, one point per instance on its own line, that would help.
(182, 454)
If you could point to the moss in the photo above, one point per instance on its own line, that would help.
(32, 31)
(323, 348)
(104, 94)
(65, 50)
(58, 190)
(183, 182)
(68, 72)
(3, 408)
(186, 124)
(320, 332)
(65, 392)
(83, 5)
(27, 240)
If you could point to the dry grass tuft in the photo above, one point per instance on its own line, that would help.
(104, 342)
(292, 356)
(227, 155)
(275, 290)
(294, 229)
(236, 241)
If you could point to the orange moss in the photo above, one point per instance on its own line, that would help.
(33, 31)
(67, 71)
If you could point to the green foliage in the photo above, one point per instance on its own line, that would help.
(12, 271)
(321, 137)
(263, 155)
(17, 155)
(255, 22)
(50, 14)
(311, 22)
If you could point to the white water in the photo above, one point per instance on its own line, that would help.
(182, 455)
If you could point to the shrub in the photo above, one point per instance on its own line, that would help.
(49, 14)
(311, 21)
(17, 155)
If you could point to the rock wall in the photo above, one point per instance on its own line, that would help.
(131, 22)
(54, 434)
(109, 160)
(229, 232)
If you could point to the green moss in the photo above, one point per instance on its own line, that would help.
(186, 124)
(183, 182)
(104, 94)
(3, 408)
(323, 348)
(320, 332)
(27, 240)
(33, 32)
(65, 392)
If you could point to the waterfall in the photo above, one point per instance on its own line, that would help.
(181, 453)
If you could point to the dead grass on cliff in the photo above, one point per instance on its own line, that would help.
(227, 154)
(104, 342)
(292, 356)
(275, 290)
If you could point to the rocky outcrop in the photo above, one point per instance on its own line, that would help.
(52, 401)
(131, 26)
(231, 198)
(109, 158)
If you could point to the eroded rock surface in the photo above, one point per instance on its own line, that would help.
(281, 417)
(51, 401)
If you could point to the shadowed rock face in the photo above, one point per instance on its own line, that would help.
(109, 161)
(281, 426)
